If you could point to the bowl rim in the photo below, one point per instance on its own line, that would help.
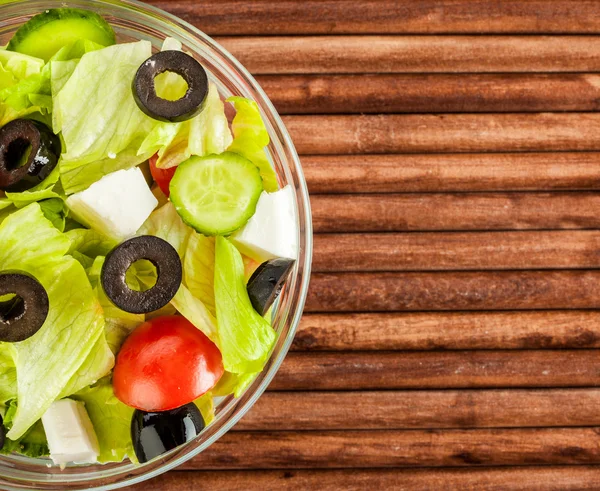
(234, 412)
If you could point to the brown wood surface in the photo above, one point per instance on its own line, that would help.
(449, 330)
(451, 172)
(452, 329)
(394, 93)
(542, 478)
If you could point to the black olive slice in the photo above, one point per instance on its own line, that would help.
(24, 314)
(29, 152)
(168, 267)
(266, 283)
(154, 434)
(144, 90)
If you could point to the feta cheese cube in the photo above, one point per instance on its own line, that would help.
(272, 230)
(71, 436)
(117, 205)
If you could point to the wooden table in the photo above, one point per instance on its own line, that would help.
(450, 338)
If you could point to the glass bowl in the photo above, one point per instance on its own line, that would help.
(133, 20)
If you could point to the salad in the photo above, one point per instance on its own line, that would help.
(143, 241)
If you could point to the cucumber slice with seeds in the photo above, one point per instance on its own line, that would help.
(217, 194)
(46, 33)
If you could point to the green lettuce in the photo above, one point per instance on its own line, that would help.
(233, 383)
(199, 269)
(196, 312)
(244, 337)
(8, 376)
(205, 134)
(32, 444)
(47, 362)
(250, 139)
(111, 419)
(100, 122)
(168, 225)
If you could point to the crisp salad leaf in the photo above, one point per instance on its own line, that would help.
(111, 419)
(196, 312)
(244, 337)
(233, 383)
(203, 135)
(8, 376)
(168, 225)
(44, 190)
(101, 125)
(199, 269)
(250, 139)
(47, 362)
(32, 444)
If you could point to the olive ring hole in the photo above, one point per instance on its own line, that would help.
(170, 86)
(141, 275)
(12, 307)
(17, 153)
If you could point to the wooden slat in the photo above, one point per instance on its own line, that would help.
(454, 212)
(438, 370)
(455, 251)
(415, 54)
(506, 290)
(449, 330)
(451, 172)
(387, 93)
(423, 409)
(367, 449)
(544, 478)
(422, 133)
(238, 17)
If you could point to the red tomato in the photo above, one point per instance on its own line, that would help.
(162, 177)
(164, 364)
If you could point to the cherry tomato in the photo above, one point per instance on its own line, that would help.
(164, 364)
(162, 177)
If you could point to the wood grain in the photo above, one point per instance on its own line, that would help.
(239, 17)
(455, 251)
(429, 409)
(438, 370)
(389, 448)
(505, 290)
(455, 212)
(415, 54)
(439, 93)
(543, 478)
(449, 331)
(451, 172)
(450, 133)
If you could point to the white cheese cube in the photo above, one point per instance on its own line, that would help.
(117, 205)
(71, 436)
(272, 230)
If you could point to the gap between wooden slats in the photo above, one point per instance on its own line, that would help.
(546, 478)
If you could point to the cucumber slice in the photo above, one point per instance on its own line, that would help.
(216, 194)
(46, 33)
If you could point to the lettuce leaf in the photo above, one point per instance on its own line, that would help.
(8, 377)
(205, 134)
(101, 125)
(244, 337)
(199, 269)
(111, 419)
(168, 225)
(233, 383)
(32, 444)
(196, 312)
(250, 139)
(47, 362)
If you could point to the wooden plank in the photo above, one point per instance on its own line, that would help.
(451, 172)
(486, 290)
(543, 478)
(389, 448)
(455, 212)
(438, 370)
(449, 331)
(450, 133)
(239, 17)
(456, 251)
(424, 93)
(429, 409)
(415, 54)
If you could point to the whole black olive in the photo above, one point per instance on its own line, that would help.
(144, 89)
(267, 281)
(29, 152)
(154, 434)
(24, 314)
(168, 268)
